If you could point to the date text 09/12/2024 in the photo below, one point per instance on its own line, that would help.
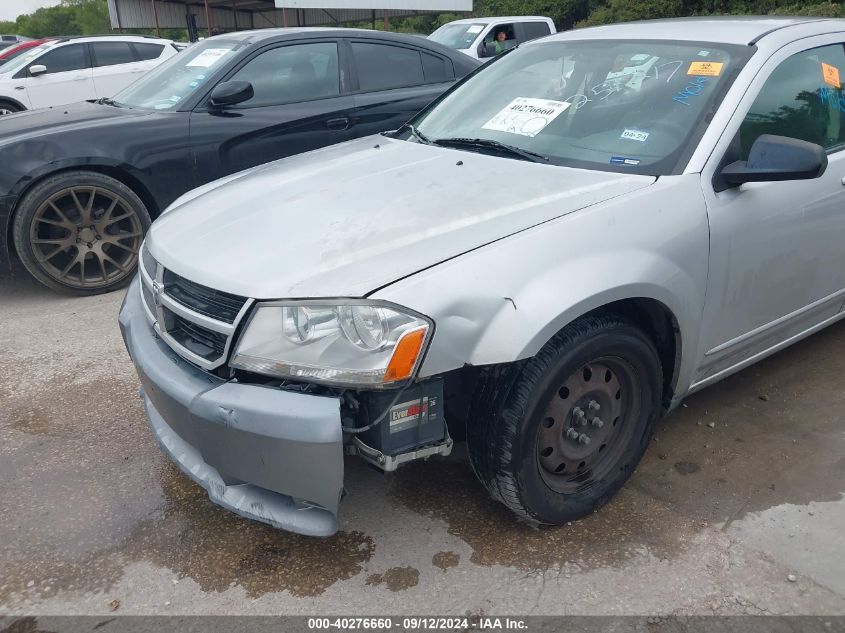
(484, 623)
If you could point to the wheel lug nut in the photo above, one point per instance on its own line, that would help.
(572, 434)
(593, 406)
(597, 422)
(583, 439)
(578, 413)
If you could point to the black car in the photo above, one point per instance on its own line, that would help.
(80, 184)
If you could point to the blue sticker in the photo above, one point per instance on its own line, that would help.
(621, 160)
(832, 97)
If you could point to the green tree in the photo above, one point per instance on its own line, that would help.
(59, 20)
(92, 16)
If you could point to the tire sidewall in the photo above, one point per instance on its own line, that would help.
(627, 343)
(32, 201)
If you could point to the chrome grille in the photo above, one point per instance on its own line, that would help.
(196, 321)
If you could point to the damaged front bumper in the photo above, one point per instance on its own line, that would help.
(267, 454)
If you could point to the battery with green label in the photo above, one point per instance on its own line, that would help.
(414, 421)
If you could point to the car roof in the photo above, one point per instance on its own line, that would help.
(264, 36)
(500, 18)
(720, 29)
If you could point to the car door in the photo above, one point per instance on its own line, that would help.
(393, 82)
(777, 254)
(116, 65)
(68, 77)
(301, 103)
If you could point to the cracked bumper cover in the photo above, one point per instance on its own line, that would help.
(266, 454)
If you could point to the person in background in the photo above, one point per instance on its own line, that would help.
(499, 45)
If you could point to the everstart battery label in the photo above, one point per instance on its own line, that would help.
(407, 414)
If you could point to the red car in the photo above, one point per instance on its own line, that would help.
(16, 49)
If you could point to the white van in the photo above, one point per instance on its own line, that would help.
(478, 37)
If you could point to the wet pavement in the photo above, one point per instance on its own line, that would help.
(737, 507)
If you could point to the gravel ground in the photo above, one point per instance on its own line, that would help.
(736, 509)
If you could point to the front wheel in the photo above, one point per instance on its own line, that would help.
(8, 108)
(80, 232)
(555, 437)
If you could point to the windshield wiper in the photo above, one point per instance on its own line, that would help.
(108, 101)
(422, 138)
(484, 143)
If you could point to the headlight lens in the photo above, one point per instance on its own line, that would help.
(358, 343)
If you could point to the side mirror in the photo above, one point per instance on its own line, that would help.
(486, 50)
(37, 69)
(231, 93)
(775, 158)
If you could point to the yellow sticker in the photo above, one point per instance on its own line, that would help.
(831, 75)
(705, 69)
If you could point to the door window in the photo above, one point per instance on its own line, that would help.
(148, 51)
(63, 59)
(289, 74)
(437, 69)
(499, 39)
(112, 53)
(802, 99)
(382, 66)
(533, 30)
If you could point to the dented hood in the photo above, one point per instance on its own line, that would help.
(349, 219)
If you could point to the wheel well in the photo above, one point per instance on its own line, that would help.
(12, 102)
(113, 172)
(658, 322)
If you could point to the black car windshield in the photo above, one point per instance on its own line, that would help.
(170, 83)
(612, 105)
(458, 36)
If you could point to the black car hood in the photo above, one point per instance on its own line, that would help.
(55, 119)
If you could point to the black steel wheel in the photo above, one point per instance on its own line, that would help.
(554, 437)
(81, 232)
(8, 108)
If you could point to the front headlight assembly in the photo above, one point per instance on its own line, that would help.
(334, 342)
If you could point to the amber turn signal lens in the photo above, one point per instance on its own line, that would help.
(405, 355)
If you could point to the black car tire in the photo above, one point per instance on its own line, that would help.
(103, 235)
(7, 107)
(515, 409)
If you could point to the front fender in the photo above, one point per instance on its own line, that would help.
(504, 301)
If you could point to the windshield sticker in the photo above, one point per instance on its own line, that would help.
(475, 28)
(635, 135)
(692, 89)
(526, 116)
(831, 75)
(705, 69)
(621, 160)
(207, 58)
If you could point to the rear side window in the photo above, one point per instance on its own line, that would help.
(533, 30)
(437, 69)
(803, 99)
(112, 53)
(63, 59)
(148, 51)
(382, 66)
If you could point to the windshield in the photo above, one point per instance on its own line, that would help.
(613, 105)
(167, 85)
(457, 35)
(15, 64)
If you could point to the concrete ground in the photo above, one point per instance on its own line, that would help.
(737, 507)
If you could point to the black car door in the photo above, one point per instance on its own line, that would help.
(392, 82)
(301, 103)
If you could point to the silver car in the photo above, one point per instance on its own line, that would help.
(544, 262)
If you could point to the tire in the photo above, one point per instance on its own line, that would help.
(80, 232)
(6, 107)
(522, 413)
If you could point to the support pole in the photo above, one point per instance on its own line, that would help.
(207, 18)
(386, 20)
(155, 15)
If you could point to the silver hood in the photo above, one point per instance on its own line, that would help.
(349, 219)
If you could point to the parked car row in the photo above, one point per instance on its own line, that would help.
(543, 259)
(83, 182)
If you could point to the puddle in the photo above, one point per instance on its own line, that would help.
(445, 560)
(396, 578)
